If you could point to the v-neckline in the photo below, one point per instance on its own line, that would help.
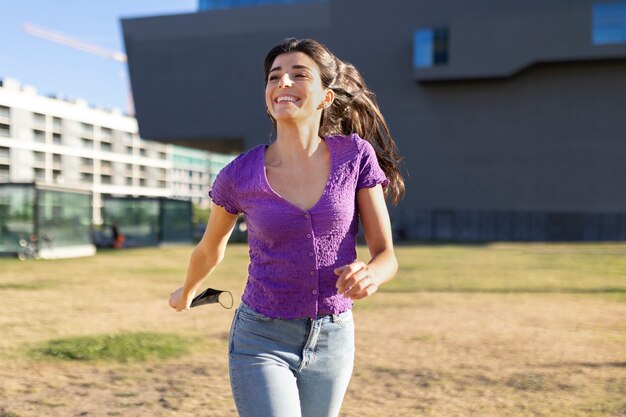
(280, 197)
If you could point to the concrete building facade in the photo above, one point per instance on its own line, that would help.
(510, 114)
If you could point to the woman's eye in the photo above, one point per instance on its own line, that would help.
(273, 78)
(301, 75)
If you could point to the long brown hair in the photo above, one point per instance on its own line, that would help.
(354, 109)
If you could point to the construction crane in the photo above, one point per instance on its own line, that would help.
(62, 39)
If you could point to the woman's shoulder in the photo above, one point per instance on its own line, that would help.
(352, 143)
(244, 161)
(352, 138)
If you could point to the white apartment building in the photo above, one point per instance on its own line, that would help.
(192, 171)
(67, 142)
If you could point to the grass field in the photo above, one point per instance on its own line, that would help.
(479, 330)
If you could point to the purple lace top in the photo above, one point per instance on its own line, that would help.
(293, 252)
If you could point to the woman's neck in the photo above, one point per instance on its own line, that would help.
(295, 143)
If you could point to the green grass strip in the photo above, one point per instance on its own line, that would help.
(124, 347)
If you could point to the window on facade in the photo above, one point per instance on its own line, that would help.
(430, 47)
(609, 23)
(56, 122)
(56, 158)
(56, 174)
(56, 138)
(86, 163)
(86, 143)
(106, 147)
(39, 174)
(142, 182)
(129, 181)
(227, 4)
(4, 152)
(106, 164)
(39, 135)
(129, 150)
(5, 112)
(87, 128)
(86, 177)
(39, 119)
(143, 152)
(162, 184)
(4, 130)
(106, 132)
(106, 179)
(162, 155)
(4, 172)
(39, 156)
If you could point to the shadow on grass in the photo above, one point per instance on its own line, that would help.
(594, 365)
(5, 413)
(23, 286)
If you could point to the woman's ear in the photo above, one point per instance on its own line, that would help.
(329, 98)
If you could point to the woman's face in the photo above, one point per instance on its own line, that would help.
(294, 90)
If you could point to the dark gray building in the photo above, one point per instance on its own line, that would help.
(511, 114)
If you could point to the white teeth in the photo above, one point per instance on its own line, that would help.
(286, 98)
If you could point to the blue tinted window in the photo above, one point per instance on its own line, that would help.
(430, 47)
(423, 48)
(228, 4)
(609, 23)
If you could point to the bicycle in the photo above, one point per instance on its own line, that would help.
(29, 249)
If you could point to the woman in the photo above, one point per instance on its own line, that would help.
(291, 345)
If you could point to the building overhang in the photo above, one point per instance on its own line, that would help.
(508, 39)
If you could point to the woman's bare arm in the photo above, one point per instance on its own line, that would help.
(358, 279)
(205, 256)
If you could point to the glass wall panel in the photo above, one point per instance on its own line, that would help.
(17, 221)
(227, 4)
(176, 221)
(64, 218)
(136, 219)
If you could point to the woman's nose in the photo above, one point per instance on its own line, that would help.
(284, 81)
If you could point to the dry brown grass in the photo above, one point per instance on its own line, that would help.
(543, 334)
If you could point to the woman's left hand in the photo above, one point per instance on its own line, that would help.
(357, 280)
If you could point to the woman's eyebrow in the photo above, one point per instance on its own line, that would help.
(297, 66)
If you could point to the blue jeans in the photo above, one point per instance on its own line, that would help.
(290, 368)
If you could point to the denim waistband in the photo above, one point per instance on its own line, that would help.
(320, 317)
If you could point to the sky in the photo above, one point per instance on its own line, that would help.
(58, 69)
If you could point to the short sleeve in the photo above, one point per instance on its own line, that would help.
(370, 172)
(223, 192)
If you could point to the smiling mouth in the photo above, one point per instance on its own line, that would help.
(286, 99)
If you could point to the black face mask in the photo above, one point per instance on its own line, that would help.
(212, 296)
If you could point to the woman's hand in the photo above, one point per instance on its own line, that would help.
(357, 280)
(179, 301)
